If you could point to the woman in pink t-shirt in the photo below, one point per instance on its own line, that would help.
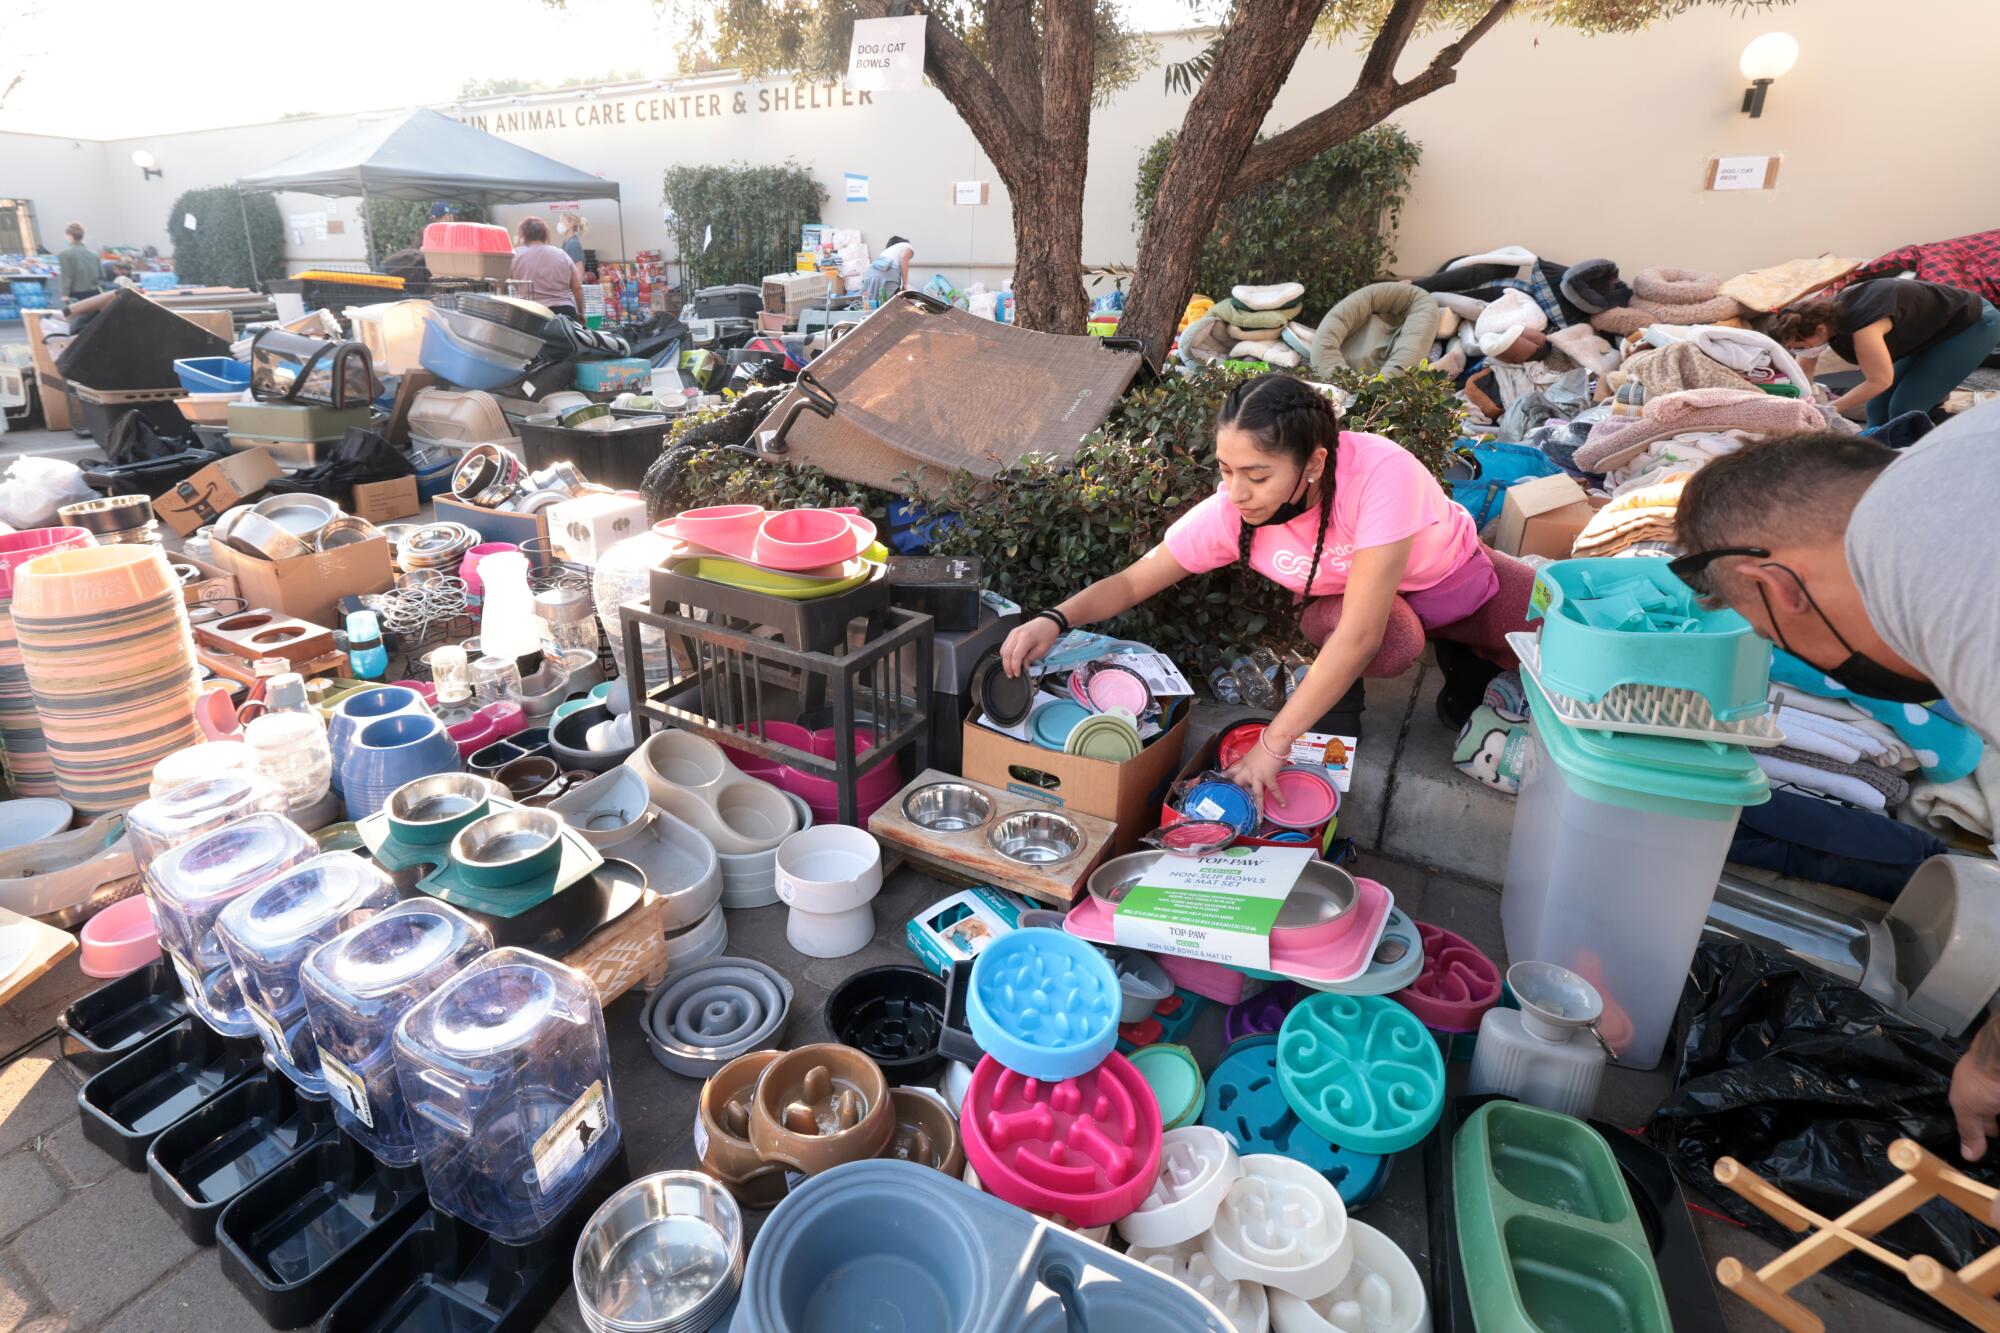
(1378, 556)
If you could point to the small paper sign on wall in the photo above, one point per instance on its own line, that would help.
(969, 193)
(887, 55)
(1743, 173)
(857, 188)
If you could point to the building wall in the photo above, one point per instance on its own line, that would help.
(1573, 146)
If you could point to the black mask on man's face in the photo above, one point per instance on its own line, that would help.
(1857, 671)
(1290, 509)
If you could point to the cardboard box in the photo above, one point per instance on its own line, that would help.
(311, 586)
(386, 501)
(492, 525)
(42, 347)
(200, 499)
(215, 585)
(1128, 794)
(1542, 516)
(54, 394)
(1207, 756)
(953, 930)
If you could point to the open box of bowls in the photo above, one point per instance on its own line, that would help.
(970, 831)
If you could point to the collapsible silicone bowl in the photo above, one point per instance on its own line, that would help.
(1174, 1075)
(1457, 986)
(1223, 801)
(722, 1132)
(122, 938)
(432, 810)
(1114, 687)
(1044, 1003)
(709, 1013)
(1306, 798)
(893, 1015)
(1283, 1225)
(1086, 1148)
(1052, 722)
(1197, 1166)
(926, 1131)
(819, 1107)
(1361, 1071)
(1382, 1293)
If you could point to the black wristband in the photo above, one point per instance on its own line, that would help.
(1062, 621)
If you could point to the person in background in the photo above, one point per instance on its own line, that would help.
(81, 270)
(890, 271)
(443, 212)
(546, 273)
(1866, 563)
(1377, 557)
(1914, 341)
(572, 227)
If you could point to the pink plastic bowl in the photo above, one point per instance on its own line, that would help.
(494, 722)
(1114, 687)
(784, 733)
(717, 523)
(18, 548)
(804, 538)
(878, 784)
(468, 568)
(122, 938)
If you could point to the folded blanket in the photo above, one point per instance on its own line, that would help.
(1890, 750)
(1676, 368)
(1972, 803)
(1613, 443)
(1581, 344)
(1945, 750)
(1243, 317)
(1274, 297)
(1894, 787)
(1799, 735)
(1742, 350)
(1787, 771)
(1773, 288)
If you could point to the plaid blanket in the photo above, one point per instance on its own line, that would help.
(1971, 262)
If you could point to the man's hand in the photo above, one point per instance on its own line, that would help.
(1975, 1093)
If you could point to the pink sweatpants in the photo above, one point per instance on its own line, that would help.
(1484, 630)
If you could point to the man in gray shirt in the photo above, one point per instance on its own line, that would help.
(1879, 568)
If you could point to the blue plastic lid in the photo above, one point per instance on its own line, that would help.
(1044, 1004)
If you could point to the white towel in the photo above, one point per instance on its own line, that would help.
(1972, 803)
(1802, 736)
(1506, 254)
(1852, 790)
(1901, 756)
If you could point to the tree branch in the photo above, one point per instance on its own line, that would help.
(1379, 69)
(1367, 105)
(976, 95)
(1068, 61)
(1010, 37)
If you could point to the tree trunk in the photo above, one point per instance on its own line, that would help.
(1048, 245)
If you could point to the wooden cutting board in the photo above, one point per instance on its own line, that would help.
(50, 947)
(967, 856)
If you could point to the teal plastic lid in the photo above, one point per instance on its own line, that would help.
(1661, 774)
(1175, 1078)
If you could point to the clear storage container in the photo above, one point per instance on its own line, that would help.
(357, 986)
(193, 882)
(267, 934)
(507, 1078)
(1617, 844)
(193, 808)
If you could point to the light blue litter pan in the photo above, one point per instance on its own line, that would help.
(1717, 655)
(1044, 1004)
(891, 1244)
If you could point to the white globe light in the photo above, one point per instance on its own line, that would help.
(1770, 56)
(143, 159)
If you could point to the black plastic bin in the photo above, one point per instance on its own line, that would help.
(295, 1241)
(100, 420)
(614, 458)
(125, 1105)
(444, 1274)
(213, 1153)
(114, 1019)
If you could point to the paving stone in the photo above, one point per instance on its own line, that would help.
(18, 1299)
(76, 1160)
(104, 1246)
(1471, 910)
(36, 1095)
(1437, 816)
(27, 1191)
(197, 1299)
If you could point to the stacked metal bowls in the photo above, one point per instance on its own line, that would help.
(435, 546)
(663, 1255)
(116, 520)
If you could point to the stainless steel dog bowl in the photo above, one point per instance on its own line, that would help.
(343, 530)
(663, 1255)
(266, 539)
(301, 515)
(948, 807)
(1036, 838)
(506, 839)
(438, 799)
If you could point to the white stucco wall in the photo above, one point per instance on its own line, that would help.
(1574, 146)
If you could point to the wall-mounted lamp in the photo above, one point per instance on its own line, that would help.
(1766, 60)
(146, 163)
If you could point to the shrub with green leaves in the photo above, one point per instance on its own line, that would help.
(738, 223)
(1331, 224)
(215, 251)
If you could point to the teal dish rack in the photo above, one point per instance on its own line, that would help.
(1610, 622)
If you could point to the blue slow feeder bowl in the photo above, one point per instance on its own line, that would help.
(1044, 1004)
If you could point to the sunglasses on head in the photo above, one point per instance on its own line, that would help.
(1693, 569)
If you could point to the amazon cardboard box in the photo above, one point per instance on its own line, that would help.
(226, 482)
(1542, 516)
(310, 586)
(386, 501)
(1129, 794)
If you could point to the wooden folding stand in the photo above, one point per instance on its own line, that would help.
(1968, 1292)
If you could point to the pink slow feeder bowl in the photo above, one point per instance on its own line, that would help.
(122, 938)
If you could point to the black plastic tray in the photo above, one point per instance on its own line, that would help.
(1684, 1271)
(118, 1017)
(295, 1241)
(447, 1276)
(202, 1161)
(126, 1105)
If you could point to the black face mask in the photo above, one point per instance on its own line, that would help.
(1857, 671)
(1289, 510)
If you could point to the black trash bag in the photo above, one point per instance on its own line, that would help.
(149, 431)
(361, 457)
(1806, 1081)
(148, 476)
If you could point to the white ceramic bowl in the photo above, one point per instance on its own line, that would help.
(830, 868)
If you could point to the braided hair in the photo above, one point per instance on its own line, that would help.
(1285, 415)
